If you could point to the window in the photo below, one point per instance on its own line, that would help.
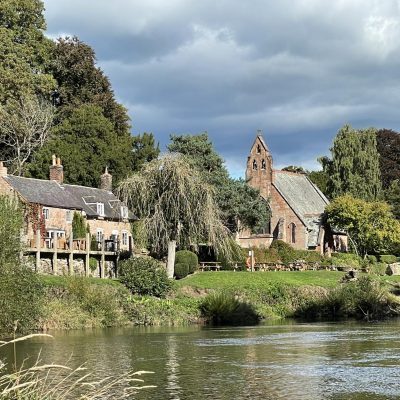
(292, 232)
(99, 235)
(124, 212)
(46, 213)
(254, 164)
(68, 216)
(124, 238)
(263, 165)
(258, 149)
(100, 209)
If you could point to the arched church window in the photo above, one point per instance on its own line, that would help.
(255, 165)
(292, 232)
(263, 164)
(258, 149)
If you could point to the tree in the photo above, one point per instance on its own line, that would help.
(236, 200)
(176, 207)
(86, 142)
(24, 51)
(354, 167)
(25, 127)
(294, 168)
(144, 150)
(320, 179)
(392, 196)
(370, 225)
(388, 146)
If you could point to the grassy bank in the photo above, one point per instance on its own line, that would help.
(76, 303)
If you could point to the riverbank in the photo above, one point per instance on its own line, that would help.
(77, 303)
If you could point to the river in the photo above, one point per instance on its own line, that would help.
(271, 361)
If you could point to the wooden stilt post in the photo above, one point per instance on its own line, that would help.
(38, 244)
(87, 259)
(55, 249)
(103, 259)
(71, 255)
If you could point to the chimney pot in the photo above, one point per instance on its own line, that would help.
(56, 170)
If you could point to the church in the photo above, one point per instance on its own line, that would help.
(296, 206)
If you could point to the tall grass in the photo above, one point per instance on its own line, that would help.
(60, 382)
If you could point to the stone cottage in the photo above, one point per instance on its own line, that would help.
(296, 206)
(50, 206)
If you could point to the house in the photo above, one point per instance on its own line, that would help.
(296, 206)
(50, 206)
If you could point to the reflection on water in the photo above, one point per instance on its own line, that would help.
(286, 361)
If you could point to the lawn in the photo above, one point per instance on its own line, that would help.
(259, 280)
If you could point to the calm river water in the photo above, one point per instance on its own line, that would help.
(285, 361)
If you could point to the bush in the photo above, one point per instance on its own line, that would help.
(144, 276)
(388, 258)
(189, 258)
(181, 270)
(225, 309)
(346, 260)
(93, 264)
(21, 296)
(372, 259)
(377, 268)
(286, 252)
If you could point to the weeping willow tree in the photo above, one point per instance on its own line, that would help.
(176, 207)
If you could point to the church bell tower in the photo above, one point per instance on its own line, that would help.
(259, 167)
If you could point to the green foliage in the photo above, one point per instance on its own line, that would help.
(363, 299)
(370, 226)
(388, 258)
(189, 258)
(388, 145)
(377, 268)
(286, 252)
(354, 167)
(11, 222)
(144, 276)
(372, 259)
(346, 260)
(237, 200)
(181, 270)
(24, 50)
(392, 196)
(144, 150)
(79, 228)
(224, 308)
(93, 264)
(320, 179)
(21, 296)
(86, 142)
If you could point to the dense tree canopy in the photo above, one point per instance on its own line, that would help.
(320, 179)
(24, 51)
(144, 150)
(354, 167)
(370, 225)
(237, 201)
(388, 146)
(86, 142)
(392, 196)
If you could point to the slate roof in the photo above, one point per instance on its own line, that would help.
(51, 194)
(306, 200)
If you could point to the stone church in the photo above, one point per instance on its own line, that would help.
(296, 206)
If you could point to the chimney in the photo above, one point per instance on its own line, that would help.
(3, 169)
(106, 181)
(56, 170)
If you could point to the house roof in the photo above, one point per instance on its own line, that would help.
(305, 199)
(52, 194)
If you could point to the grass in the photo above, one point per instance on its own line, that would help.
(63, 281)
(259, 280)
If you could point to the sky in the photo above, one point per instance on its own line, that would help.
(296, 69)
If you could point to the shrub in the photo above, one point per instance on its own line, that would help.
(144, 276)
(346, 260)
(286, 252)
(21, 296)
(181, 270)
(79, 228)
(225, 309)
(377, 268)
(93, 264)
(372, 259)
(388, 258)
(189, 258)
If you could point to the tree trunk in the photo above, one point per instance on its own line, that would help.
(171, 258)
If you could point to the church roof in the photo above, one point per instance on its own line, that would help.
(305, 199)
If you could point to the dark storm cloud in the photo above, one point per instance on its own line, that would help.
(296, 69)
